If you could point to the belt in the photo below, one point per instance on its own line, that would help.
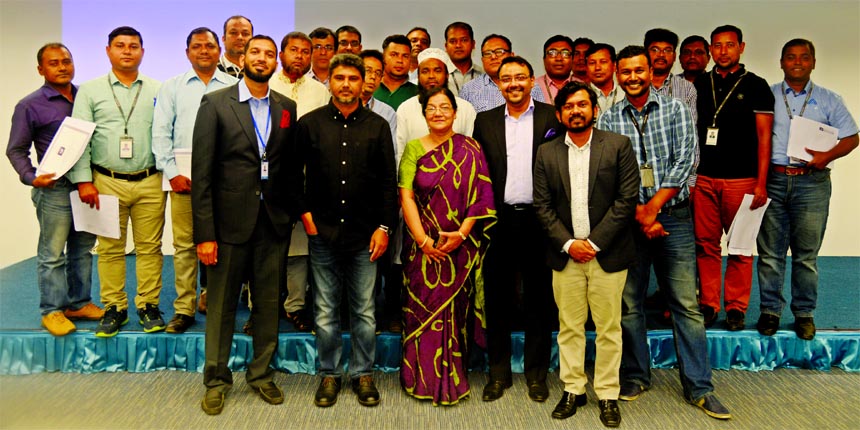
(680, 205)
(790, 171)
(131, 177)
(518, 206)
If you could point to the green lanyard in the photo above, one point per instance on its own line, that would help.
(803, 109)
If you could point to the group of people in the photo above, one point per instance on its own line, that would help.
(546, 197)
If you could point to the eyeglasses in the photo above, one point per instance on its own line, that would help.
(552, 53)
(666, 51)
(349, 43)
(444, 110)
(497, 52)
(369, 73)
(319, 47)
(520, 79)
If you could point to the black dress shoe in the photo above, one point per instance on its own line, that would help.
(709, 315)
(767, 324)
(494, 390)
(180, 323)
(300, 321)
(327, 392)
(610, 415)
(566, 407)
(538, 391)
(734, 320)
(364, 387)
(270, 393)
(804, 327)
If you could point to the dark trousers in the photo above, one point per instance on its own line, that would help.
(266, 253)
(516, 258)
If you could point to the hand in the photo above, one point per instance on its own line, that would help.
(181, 184)
(89, 194)
(654, 231)
(44, 181)
(448, 241)
(207, 252)
(759, 197)
(581, 251)
(378, 244)
(308, 223)
(819, 159)
(431, 252)
(646, 215)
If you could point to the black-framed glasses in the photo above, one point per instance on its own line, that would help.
(552, 53)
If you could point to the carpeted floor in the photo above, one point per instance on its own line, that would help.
(781, 399)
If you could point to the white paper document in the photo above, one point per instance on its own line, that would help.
(806, 133)
(102, 222)
(66, 147)
(744, 229)
(183, 163)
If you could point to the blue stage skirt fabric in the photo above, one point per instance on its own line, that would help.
(25, 353)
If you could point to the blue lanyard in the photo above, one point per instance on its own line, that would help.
(262, 141)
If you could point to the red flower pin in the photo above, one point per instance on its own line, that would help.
(285, 119)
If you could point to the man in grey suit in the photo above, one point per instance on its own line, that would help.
(586, 186)
(242, 138)
(510, 136)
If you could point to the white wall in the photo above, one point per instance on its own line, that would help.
(831, 25)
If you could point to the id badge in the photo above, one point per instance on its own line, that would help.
(711, 137)
(264, 170)
(126, 143)
(646, 173)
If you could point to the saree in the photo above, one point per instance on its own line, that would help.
(451, 185)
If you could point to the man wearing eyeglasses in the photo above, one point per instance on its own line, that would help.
(322, 49)
(558, 63)
(459, 43)
(483, 92)
(694, 56)
(510, 135)
(348, 40)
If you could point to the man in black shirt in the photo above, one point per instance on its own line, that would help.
(348, 203)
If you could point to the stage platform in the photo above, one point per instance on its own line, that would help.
(27, 348)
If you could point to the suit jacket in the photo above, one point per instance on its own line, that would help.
(613, 192)
(490, 133)
(225, 167)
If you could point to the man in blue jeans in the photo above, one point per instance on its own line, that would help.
(64, 280)
(347, 206)
(664, 140)
(799, 192)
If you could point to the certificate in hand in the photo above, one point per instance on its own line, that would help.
(101, 222)
(67, 147)
(806, 133)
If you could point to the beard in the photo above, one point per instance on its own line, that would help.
(581, 128)
(252, 74)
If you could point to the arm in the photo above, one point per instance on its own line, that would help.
(764, 130)
(203, 168)
(624, 206)
(82, 173)
(820, 160)
(544, 201)
(163, 120)
(18, 150)
(413, 223)
(379, 239)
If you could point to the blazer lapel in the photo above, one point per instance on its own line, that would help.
(243, 115)
(563, 167)
(594, 160)
(275, 116)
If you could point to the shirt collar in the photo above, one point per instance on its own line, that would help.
(113, 79)
(218, 76)
(245, 93)
(50, 92)
(569, 141)
(228, 64)
(652, 99)
(528, 110)
(805, 89)
(335, 112)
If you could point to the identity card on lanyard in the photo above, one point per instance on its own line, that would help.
(713, 131)
(264, 161)
(126, 142)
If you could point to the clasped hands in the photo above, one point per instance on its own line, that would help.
(438, 250)
(646, 216)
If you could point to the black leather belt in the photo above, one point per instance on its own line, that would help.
(677, 206)
(518, 206)
(131, 177)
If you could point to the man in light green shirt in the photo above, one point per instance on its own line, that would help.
(118, 161)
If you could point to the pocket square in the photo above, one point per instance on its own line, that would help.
(285, 119)
(549, 134)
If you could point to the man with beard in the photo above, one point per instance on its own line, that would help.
(735, 143)
(580, 66)
(601, 75)
(241, 145)
(558, 63)
(419, 38)
(459, 44)
(694, 56)
(172, 129)
(237, 31)
(433, 69)
(585, 194)
(510, 135)
(664, 138)
(661, 45)
(348, 203)
(395, 88)
(322, 49)
(483, 92)
(348, 40)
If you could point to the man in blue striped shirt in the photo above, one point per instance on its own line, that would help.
(664, 140)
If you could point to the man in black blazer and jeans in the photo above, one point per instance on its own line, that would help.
(510, 136)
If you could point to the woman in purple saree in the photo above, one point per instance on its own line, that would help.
(447, 205)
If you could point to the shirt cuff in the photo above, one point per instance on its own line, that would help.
(596, 248)
(566, 247)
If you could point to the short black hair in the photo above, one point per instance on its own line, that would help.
(599, 47)
(633, 51)
(397, 39)
(422, 29)
(347, 29)
(518, 60)
(424, 96)
(570, 88)
(294, 35)
(461, 26)
(660, 35)
(582, 40)
(201, 30)
(372, 53)
(259, 37)
(238, 17)
(322, 33)
(497, 36)
(696, 38)
(124, 31)
(347, 60)
(554, 39)
(728, 28)
(51, 45)
(798, 42)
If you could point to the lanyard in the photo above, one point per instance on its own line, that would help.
(133, 104)
(803, 109)
(257, 129)
(548, 89)
(670, 85)
(641, 131)
(714, 94)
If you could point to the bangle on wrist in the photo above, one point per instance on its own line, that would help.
(462, 236)
(426, 239)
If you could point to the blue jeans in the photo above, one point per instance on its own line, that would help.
(333, 270)
(796, 219)
(63, 259)
(674, 261)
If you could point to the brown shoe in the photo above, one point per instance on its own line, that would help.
(57, 324)
(180, 323)
(299, 321)
(89, 312)
(213, 402)
(201, 304)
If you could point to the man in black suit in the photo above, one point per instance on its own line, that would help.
(586, 186)
(242, 138)
(510, 135)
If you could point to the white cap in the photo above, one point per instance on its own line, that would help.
(438, 54)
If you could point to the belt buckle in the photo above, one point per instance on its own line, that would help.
(794, 171)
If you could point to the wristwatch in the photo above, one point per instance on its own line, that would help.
(385, 229)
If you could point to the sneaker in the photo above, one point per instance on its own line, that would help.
(630, 391)
(89, 312)
(712, 407)
(111, 322)
(150, 318)
(57, 324)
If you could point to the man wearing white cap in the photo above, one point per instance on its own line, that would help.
(434, 66)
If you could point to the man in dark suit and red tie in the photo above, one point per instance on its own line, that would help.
(242, 139)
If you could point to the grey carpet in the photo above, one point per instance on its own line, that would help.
(780, 399)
